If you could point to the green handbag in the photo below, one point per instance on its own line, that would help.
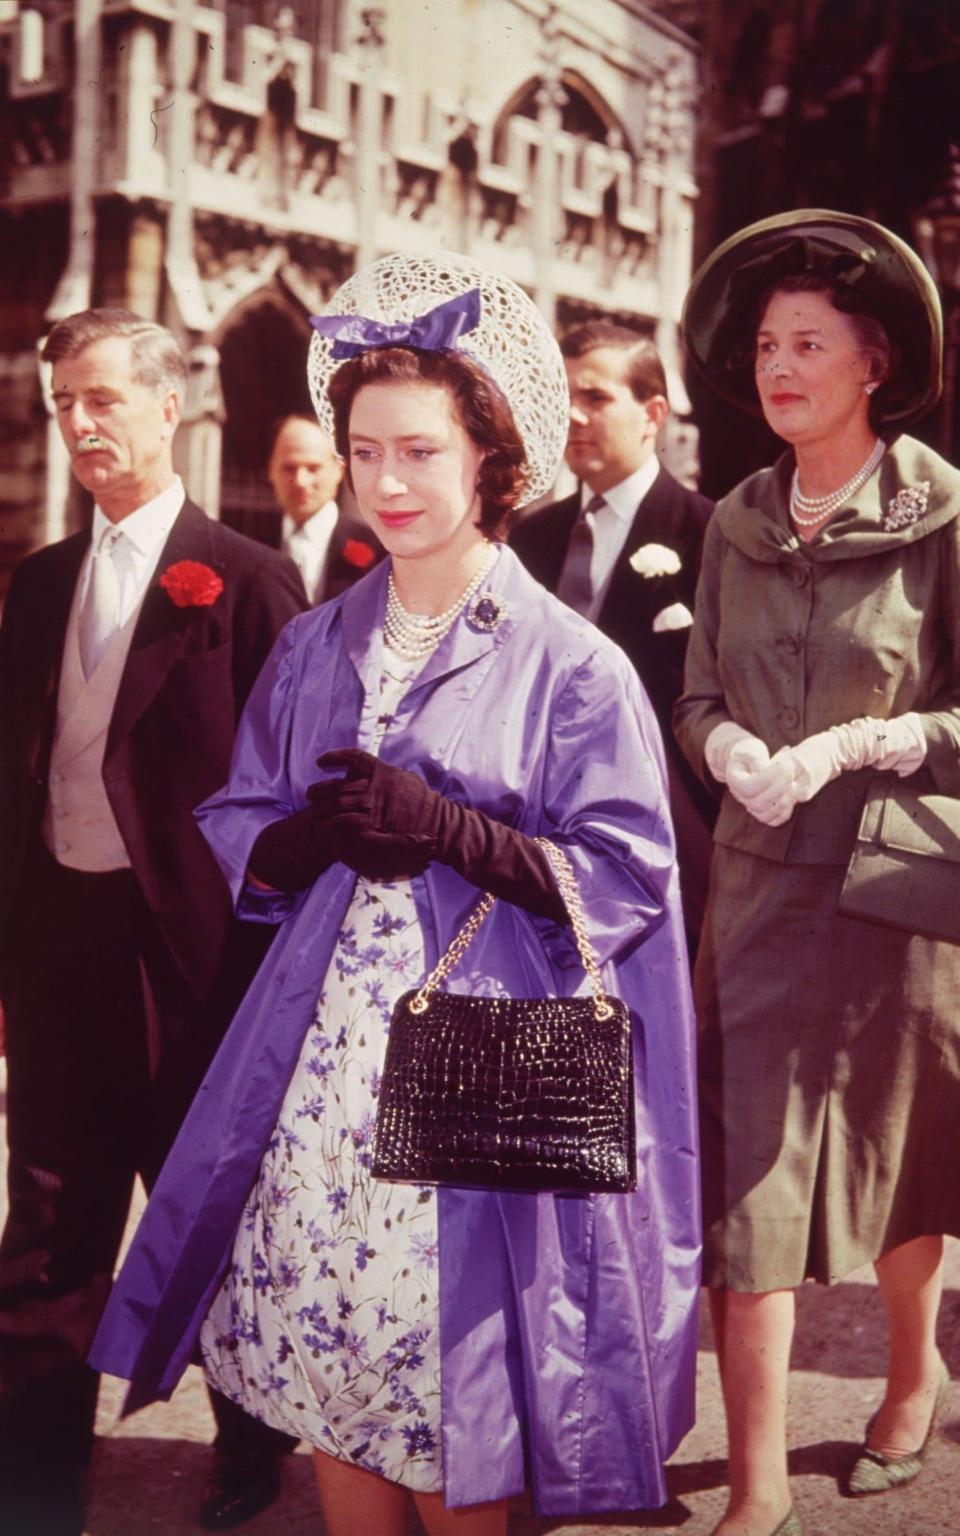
(904, 871)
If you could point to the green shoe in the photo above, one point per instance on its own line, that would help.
(874, 1472)
(790, 1525)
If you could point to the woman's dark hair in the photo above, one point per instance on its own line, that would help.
(480, 408)
(872, 336)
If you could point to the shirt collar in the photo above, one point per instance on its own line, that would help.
(148, 526)
(316, 529)
(624, 499)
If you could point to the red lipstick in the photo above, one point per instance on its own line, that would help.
(397, 519)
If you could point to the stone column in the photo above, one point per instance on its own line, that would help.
(144, 274)
(137, 86)
(550, 99)
(74, 288)
(198, 445)
(369, 124)
(181, 265)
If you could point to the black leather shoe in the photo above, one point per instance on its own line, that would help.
(237, 1490)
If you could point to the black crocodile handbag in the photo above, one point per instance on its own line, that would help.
(509, 1093)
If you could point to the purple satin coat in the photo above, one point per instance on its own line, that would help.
(568, 1323)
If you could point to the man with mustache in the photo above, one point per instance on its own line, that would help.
(126, 655)
(624, 549)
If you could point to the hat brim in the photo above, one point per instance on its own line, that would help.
(720, 311)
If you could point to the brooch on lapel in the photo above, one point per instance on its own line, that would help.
(655, 560)
(358, 554)
(191, 584)
(906, 507)
(485, 612)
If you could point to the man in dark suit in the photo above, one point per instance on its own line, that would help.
(126, 654)
(329, 548)
(624, 549)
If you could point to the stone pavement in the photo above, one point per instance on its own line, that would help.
(150, 1469)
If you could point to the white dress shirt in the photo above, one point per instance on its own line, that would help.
(611, 526)
(138, 552)
(308, 546)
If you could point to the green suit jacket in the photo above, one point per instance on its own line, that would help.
(790, 638)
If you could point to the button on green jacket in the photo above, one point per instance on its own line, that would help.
(791, 638)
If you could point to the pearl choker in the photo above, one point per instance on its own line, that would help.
(416, 634)
(808, 511)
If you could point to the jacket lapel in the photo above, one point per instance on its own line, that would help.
(162, 628)
(549, 558)
(655, 522)
(462, 651)
(42, 673)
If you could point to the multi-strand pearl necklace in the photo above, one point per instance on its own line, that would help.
(808, 511)
(416, 634)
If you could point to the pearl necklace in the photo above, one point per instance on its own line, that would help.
(808, 511)
(416, 634)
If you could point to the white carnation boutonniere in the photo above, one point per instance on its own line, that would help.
(655, 560)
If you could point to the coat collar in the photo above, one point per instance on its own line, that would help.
(755, 519)
(362, 615)
(162, 629)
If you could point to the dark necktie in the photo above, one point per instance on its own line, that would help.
(575, 587)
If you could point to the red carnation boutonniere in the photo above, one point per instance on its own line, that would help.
(191, 584)
(358, 554)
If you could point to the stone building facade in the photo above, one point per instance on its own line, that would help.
(222, 167)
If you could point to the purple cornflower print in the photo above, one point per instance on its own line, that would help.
(331, 1290)
(419, 1439)
(375, 994)
(424, 1249)
(384, 924)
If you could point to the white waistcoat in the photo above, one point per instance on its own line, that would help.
(78, 823)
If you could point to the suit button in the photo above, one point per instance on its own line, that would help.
(790, 718)
(799, 575)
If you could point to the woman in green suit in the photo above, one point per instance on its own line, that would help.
(825, 652)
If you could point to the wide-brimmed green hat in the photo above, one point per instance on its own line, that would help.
(720, 312)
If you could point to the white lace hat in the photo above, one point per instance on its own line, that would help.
(437, 301)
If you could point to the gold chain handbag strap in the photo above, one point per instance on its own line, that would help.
(567, 886)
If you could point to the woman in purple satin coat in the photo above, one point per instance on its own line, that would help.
(403, 749)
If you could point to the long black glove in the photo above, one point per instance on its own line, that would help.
(375, 800)
(292, 853)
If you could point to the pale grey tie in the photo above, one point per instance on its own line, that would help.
(100, 614)
(575, 587)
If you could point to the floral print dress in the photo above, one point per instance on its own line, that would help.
(327, 1322)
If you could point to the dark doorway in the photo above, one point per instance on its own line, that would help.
(263, 373)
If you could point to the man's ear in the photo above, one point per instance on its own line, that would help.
(657, 409)
(172, 408)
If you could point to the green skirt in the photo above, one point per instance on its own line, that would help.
(829, 1079)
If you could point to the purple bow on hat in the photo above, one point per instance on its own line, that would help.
(436, 331)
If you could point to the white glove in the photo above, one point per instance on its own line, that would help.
(729, 746)
(742, 762)
(769, 793)
(897, 745)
